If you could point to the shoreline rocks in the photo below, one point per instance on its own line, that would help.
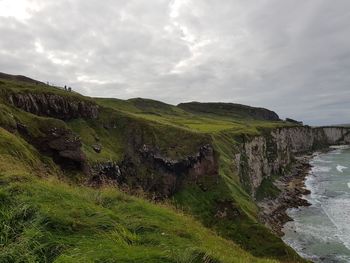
(273, 212)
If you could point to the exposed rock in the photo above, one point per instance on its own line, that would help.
(22, 128)
(108, 172)
(97, 148)
(226, 210)
(53, 105)
(272, 153)
(64, 147)
(275, 153)
(292, 187)
(158, 175)
(200, 169)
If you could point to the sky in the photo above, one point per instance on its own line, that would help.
(291, 56)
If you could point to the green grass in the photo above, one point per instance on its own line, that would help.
(202, 122)
(68, 223)
(7, 86)
(43, 219)
(267, 189)
(243, 227)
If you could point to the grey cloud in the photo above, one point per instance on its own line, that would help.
(290, 56)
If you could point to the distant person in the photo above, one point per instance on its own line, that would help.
(65, 87)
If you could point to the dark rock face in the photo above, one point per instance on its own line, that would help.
(108, 172)
(261, 156)
(174, 173)
(53, 105)
(97, 148)
(273, 211)
(157, 174)
(64, 147)
(226, 209)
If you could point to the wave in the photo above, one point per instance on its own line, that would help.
(318, 159)
(340, 168)
(326, 221)
(321, 169)
(338, 212)
(342, 147)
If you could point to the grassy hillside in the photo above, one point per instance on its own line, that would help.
(50, 216)
(210, 121)
(44, 219)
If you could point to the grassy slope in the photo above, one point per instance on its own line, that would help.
(177, 133)
(225, 132)
(44, 219)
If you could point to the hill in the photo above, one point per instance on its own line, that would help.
(230, 110)
(107, 180)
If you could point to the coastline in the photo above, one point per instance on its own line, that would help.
(273, 212)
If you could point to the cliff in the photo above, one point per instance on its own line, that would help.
(54, 105)
(203, 159)
(271, 153)
(168, 175)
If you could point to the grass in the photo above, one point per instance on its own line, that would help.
(243, 227)
(267, 189)
(43, 219)
(14, 86)
(174, 116)
(61, 222)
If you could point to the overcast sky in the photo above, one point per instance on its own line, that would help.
(291, 56)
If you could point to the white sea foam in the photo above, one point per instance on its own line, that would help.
(336, 152)
(340, 168)
(327, 221)
(318, 159)
(321, 169)
(338, 211)
(342, 147)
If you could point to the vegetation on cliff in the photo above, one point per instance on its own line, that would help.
(53, 212)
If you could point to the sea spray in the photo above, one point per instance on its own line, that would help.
(321, 232)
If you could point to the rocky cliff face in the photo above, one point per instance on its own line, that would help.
(271, 154)
(156, 174)
(53, 105)
(64, 147)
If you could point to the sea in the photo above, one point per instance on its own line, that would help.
(321, 232)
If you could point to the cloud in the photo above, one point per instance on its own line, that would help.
(289, 56)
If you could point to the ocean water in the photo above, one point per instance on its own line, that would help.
(321, 232)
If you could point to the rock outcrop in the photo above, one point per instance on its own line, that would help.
(64, 147)
(176, 172)
(55, 106)
(105, 173)
(271, 154)
(157, 174)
